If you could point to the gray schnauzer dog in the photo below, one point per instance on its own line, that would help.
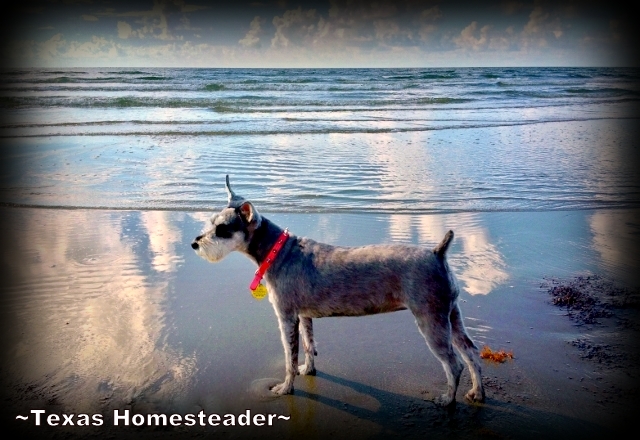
(307, 280)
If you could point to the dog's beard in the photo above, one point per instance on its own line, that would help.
(215, 249)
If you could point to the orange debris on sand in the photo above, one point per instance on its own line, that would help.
(495, 356)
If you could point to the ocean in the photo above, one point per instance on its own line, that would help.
(321, 140)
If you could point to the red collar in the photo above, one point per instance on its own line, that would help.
(266, 264)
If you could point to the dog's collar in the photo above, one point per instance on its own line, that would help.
(266, 264)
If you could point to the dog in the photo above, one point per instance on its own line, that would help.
(306, 279)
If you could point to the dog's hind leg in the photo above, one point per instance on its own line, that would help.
(309, 345)
(469, 353)
(436, 330)
(290, 340)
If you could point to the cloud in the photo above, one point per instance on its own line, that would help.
(536, 21)
(341, 33)
(148, 52)
(49, 49)
(539, 23)
(468, 40)
(251, 39)
(98, 47)
(152, 22)
(352, 24)
(294, 24)
(499, 43)
(535, 35)
(357, 25)
(185, 25)
(431, 14)
(386, 29)
(427, 18)
(125, 30)
(539, 27)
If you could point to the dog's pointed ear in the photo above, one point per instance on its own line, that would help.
(250, 214)
(234, 200)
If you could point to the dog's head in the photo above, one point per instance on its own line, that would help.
(229, 230)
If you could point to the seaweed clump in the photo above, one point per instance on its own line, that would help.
(581, 306)
(589, 298)
(601, 353)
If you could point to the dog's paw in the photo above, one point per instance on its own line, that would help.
(475, 395)
(282, 389)
(306, 370)
(444, 400)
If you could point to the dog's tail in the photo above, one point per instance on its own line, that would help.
(441, 249)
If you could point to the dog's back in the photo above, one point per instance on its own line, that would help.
(323, 280)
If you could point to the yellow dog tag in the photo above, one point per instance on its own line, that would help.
(259, 292)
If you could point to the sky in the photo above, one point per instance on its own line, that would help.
(331, 33)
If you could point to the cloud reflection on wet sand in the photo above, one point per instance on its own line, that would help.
(478, 264)
(88, 317)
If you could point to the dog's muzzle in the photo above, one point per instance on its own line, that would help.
(195, 244)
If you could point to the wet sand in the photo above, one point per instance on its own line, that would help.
(106, 310)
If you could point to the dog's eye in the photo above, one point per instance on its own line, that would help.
(222, 231)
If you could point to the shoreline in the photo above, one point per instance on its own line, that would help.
(112, 310)
(320, 211)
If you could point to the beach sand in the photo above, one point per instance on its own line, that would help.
(106, 310)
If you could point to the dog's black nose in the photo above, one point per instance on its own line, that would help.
(195, 244)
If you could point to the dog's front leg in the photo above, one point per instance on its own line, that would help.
(309, 345)
(289, 324)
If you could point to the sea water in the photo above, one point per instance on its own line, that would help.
(321, 140)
